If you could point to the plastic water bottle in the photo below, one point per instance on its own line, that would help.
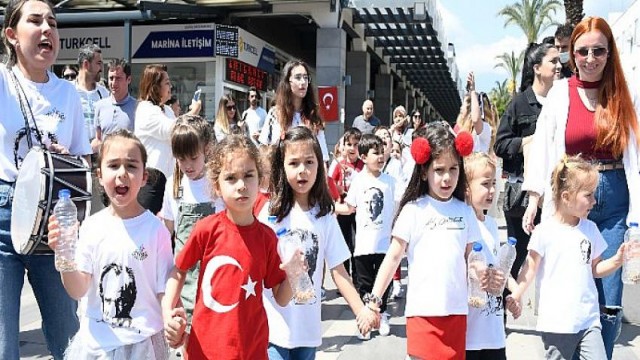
(476, 264)
(301, 285)
(67, 215)
(506, 258)
(631, 264)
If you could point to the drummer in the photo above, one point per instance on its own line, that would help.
(30, 36)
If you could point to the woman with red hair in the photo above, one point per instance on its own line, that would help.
(593, 114)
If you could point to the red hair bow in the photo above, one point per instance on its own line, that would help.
(464, 143)
(420, 150)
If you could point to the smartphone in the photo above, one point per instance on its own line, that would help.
(196, 95)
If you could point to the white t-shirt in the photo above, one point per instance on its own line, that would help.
(129, 266)
(482, 141)
(88, 100)
(254, 120)
(301, 325)
(373, 198)
(393, 167)
(57, 111)
(193, 192)
(273, 125)
(437, 233)
(153, 127)
(485, 327)
(568, 297)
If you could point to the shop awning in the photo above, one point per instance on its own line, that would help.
(417, 51)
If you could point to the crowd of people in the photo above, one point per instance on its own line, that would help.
(182, 247)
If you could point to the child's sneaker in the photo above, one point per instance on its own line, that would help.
(385, 329)
(396, 291)
(364, 337)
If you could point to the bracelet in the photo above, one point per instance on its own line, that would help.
(369, 297)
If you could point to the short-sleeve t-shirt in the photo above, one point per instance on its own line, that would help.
(300, 325)
(89, 100)
(437, 233)
(485, 326)
(568, 296)
(111, 116)
(344, 171)
(373, 198)
(229, 319)
(129, 266)
(193, 192)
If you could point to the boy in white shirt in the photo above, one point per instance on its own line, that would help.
(371, 196)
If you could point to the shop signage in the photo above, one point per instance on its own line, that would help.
(109, 39)
(242, 73)
(227, 40)
(176, 44)
(328, 97)
(255, 51)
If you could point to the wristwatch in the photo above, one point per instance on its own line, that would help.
(369, 297)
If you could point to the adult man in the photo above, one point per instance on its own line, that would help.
(118, 110)
(90, 68)
(562, 40)
(367, 121)
(254, 116)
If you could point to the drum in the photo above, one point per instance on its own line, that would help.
(42, 174)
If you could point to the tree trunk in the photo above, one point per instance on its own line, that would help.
(574, 11)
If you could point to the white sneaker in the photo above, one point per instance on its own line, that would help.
(396, 291)
(364, 337)
(385, 329)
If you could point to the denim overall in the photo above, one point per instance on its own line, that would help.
(188, 215)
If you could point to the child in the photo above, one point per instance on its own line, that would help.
(371, 196)
(301, 204)
(189, 198)
(238, 258)
(485, 326)
(435, 228)
(121, 272)
(396, 150)
(343, 174)
(564, 254)
(266, 153)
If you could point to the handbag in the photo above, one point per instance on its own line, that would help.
(515, 200)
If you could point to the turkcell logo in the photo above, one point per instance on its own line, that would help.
(177, 44)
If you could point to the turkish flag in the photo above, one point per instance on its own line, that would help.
(328, 97)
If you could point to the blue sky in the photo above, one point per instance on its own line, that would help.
(479, 35)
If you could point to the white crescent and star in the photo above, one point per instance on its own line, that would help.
(324, 100)
(207, 289)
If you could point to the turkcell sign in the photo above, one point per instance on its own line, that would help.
(177, 44)
(109, 39)
(256, 52)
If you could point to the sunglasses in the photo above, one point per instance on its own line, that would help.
(230, 107)
(69, 76)
(596, 52)
(416, 116)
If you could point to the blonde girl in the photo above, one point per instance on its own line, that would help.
(123, 260)
(238, 259)
(227, 118)
(435, 228)
(565, 254)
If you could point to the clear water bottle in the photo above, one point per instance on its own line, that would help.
(301, 285)
(631, 264)
(476, 265)
(66, 213)
(506, 258)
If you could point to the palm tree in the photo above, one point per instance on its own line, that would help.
(574, 11)
(512, 64)
(532, 16)
(500, 96)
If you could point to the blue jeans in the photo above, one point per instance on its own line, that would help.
(610, 213)
(57, 309)
(276, 352)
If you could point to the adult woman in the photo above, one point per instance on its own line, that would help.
(474, 117)
(296, 104)
(227, 119)
(417, 120)
(541, 67)
(69, 72)
(401, 126)
(592, 114)
(31, 39)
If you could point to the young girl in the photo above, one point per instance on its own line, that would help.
(485, 326)
(435, 228)
(565, 254)
(238, 258)
(266, 152)
(121, 271)
(189, 197)
(301, 203)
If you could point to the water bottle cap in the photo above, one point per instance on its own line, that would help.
(272, 219)
(477, 246)
(633, 224)
(64, 193)
(281, 232)
(512, 241)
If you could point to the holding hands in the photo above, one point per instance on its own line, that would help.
(175, 324)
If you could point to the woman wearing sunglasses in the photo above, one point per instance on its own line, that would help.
(228, 119)
(70, 72)
(593, 114)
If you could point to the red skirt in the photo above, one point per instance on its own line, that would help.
(437, 337)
